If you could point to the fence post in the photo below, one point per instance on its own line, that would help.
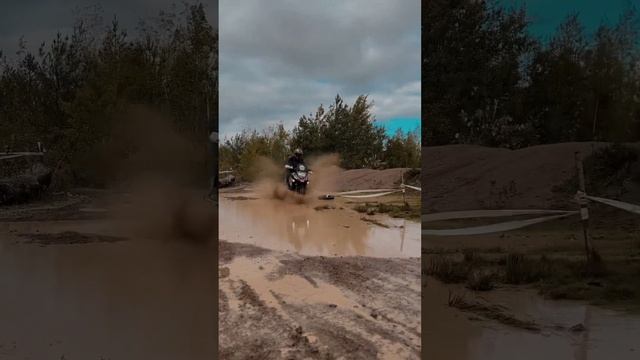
(584, 207)
(404, 199)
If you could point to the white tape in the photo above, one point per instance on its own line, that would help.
(618, 204)
(412, 187)
(370, 195)
(493, 228)
(7, 156)
(363, 191)
(471, 214)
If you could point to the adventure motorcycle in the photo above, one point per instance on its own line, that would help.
(297, 179)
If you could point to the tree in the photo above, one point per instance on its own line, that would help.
(473, 52)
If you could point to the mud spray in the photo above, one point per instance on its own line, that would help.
(156, 175)
(323, 179)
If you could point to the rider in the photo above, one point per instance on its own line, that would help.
(293, 161)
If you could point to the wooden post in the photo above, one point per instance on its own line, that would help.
(584, 208)
(404, 199)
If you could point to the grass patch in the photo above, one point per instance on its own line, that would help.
(555, 278)
(404, 211)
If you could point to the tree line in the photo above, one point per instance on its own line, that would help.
(343, 129)
(70, 93)
(486, 80)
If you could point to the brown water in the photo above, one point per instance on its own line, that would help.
(450, 334)
(137, 299)
(287, 226)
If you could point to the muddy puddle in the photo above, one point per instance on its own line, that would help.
(316, 228)
(99, 299)
(453, 334)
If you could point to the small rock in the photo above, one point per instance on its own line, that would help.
(312, 339)
(374, 314)
(333, 305)
(223, 272)
(260, 267)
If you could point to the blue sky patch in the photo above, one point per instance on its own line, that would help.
(404, 124)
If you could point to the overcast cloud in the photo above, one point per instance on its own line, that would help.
(40, 20)
(280, 59)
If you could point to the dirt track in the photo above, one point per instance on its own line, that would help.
(276, 303)
(285, 306)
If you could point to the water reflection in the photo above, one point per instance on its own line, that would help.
(304, 229)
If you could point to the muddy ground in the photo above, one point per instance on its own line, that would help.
(80, 282)
(275, 305)
(527, 293)
(316, 280)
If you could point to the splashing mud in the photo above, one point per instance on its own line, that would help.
(270, 181)
(154, 170)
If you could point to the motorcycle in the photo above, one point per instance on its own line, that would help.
(297, 179)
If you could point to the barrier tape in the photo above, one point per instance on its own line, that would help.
(7, 156)
(493, 228)
(412, 187)
(362, 191)
(370, 195)
(615, 203)
(518, 224)
(472, 214)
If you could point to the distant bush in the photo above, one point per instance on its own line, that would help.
(348, 131)
(72, 93)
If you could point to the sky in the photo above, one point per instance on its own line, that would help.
(546, 15)
(40, 20)
(281, 59)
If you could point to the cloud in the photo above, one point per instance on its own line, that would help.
(281, 59)
(39, 20)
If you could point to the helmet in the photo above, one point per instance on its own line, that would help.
(298, 151)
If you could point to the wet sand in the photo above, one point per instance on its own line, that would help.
(276, 305)
(454, 334)
(94, 299)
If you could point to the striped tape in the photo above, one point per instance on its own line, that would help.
(494, 228)
(411, 187)
(370, 195)
(14, 155)
(472, 214)
(615, 203)
(363, 191)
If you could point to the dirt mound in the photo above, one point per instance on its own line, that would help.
(359, 179)
(465, 177)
